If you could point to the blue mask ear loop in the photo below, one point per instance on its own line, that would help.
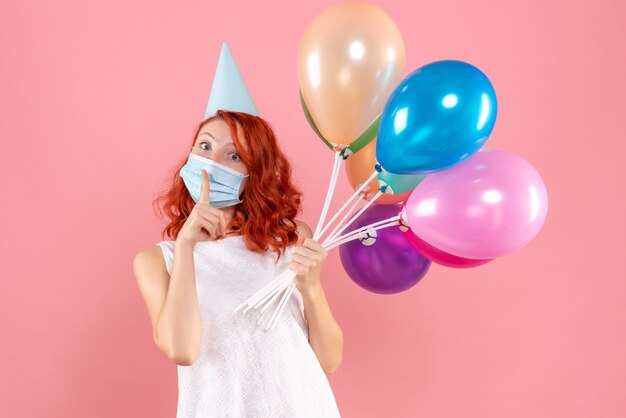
(244, 176)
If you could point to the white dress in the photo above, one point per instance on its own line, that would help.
(244, 371)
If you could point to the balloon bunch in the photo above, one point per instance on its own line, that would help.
(413, 154)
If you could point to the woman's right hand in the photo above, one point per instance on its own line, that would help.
(204, 221)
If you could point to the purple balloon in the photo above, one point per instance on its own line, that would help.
(382, 261)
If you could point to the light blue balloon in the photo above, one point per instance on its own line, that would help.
(399, 183)
(438, 116)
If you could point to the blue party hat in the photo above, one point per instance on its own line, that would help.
(229, 92)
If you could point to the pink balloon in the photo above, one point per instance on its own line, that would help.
(434, 254)
(488, 206)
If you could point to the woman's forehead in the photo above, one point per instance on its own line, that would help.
(219, 131)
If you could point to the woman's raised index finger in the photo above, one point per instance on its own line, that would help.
(206, 188)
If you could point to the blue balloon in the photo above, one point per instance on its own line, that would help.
(439, 115)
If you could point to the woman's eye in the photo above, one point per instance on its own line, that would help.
(234, 157)
(205, 143)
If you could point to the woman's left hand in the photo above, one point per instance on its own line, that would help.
(307, 262)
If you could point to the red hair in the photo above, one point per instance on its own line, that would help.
(269, 198)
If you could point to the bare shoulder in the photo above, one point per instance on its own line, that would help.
(304, 231)
(150, 268)
(150, 258)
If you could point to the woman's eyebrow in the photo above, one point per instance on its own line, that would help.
(209, 134)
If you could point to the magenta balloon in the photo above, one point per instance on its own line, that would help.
(437, 256)
(488, 206)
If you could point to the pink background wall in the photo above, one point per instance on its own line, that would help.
(98, 100)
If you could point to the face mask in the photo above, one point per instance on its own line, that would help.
(224, 181)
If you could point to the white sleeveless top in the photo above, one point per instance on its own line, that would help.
(244, 371)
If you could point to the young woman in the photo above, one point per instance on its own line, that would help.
(222, 250)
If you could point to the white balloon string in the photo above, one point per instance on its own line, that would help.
(277, 291)
(356, 194)
(361, 230)
(347, 238)
(329, 193)
(282, 308)
(262, 292)
(282, 302)
(280, 287)
(286, 288)
(348, 213)
(355, 217)
(356, 236)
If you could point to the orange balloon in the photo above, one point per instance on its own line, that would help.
(350, 60)
(360, 166)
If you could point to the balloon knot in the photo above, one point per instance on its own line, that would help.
(346, 152)
(378, 168)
